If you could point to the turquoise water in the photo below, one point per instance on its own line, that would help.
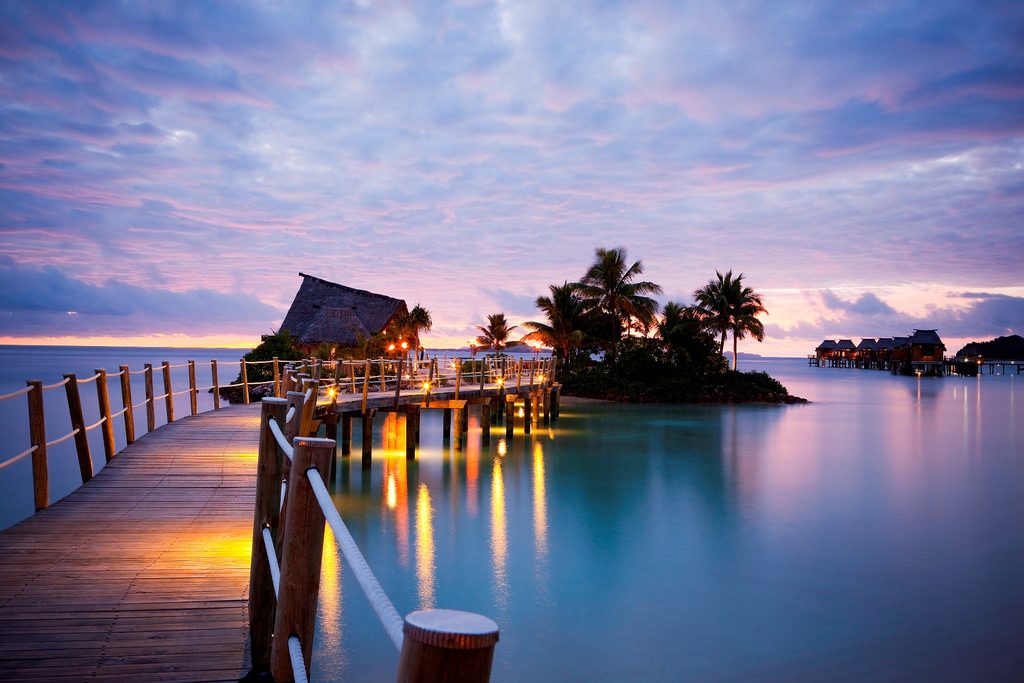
(877, 533)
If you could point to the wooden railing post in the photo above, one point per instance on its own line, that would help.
(37, 435)
(269, 473)
(458, 377)
(126, 403)
(193, 393)
(150, 398)
(245, 383)
(447, 645)
(168, 392)
(216, 385)
(78, 422)
(366, 387)
(103, 400)
(277, 378)
(398, 384)
(301, 554)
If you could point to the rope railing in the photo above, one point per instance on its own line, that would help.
(96, 424)
(120, 412)
(275, 566)
(90, 379)
(282, 441)
(137, 372)
(140, 404)
(56, 385)
(19, 392)
(175, 367)
(55, 442)
(298, 662)
(389, 617)
(24, 454)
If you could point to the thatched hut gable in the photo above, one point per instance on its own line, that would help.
(325, 311)
(845, 345)
(926, 337)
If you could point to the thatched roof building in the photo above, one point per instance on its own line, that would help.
(325, 311)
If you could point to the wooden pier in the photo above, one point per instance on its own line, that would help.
(144, 572)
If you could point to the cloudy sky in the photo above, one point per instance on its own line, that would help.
(167, 169)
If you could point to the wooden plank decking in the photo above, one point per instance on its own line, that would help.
(143, 573)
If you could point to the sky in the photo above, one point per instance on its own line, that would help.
(168, 168)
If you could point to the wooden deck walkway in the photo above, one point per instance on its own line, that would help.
(142, 574)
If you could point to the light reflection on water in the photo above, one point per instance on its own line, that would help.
(877, 533)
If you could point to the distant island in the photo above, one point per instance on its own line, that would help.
(1000, 348)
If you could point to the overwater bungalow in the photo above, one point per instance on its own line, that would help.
(922, 353)
(325, 312)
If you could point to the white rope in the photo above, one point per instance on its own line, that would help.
(386, 612)
(119, 413)
(91, 379)
(282, 442)
(161, 396)
(179, 365)
(25, 453)
(280, 498)
(229, 386)
(309, 393)
(56, 385)
(19, 392)
(298, 664)
(256, 384)
(140, 404)
(50, 444)
(290, 414)
(275, 568)
(138, 372)
(95, 425)
(258, 362)
(183, 391)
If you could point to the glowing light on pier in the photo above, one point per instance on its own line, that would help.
(540, 504)
(499, 535)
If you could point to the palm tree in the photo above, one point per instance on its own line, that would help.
(565, 312)
(611, 286)
(744, 320)
(729, 306)
(495, 334)
(713, 303)
(418, 320)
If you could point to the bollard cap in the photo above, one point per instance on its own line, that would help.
(451, 629)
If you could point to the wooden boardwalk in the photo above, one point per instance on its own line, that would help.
(142, 574)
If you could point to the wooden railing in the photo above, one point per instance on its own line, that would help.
(335, 378)
(292, 508)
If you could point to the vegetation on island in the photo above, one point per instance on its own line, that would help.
(672, 355)
(1000, 348)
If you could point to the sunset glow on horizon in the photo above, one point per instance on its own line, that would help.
(167, 170)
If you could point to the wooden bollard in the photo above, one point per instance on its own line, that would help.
(301, 554)
(458, 377)
(346, 434)
(555, 391)
(457, 426)
(398, 381)
(193, 392)
(527, 413)
(150, 400)
(366, 389)
(216, 385)
(78, 422)
(485, 422)
(277, 378)
(168, 392)
(447, 645)
(269, 473)
(126, 403)
(368, 438)
(107, 428)
(245, 382)
(546, 395)
(37, 436)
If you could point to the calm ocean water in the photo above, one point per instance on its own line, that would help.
(877, 533)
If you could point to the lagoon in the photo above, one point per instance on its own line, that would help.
(877, 532)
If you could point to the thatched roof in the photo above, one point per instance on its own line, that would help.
(867, 345)
(826, 345)
(845, 345)
(884, 344)
(325, 311)
(926, 337)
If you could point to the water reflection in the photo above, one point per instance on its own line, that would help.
(499, 536)
(330, 633)
(540, 504)
(396, 501)
(424, 548)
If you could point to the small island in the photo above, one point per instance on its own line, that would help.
(611, 338)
